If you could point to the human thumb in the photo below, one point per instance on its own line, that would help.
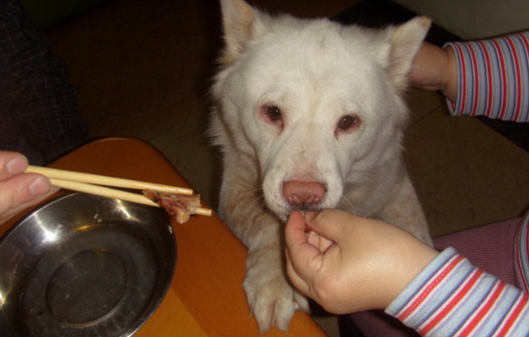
(329, 223)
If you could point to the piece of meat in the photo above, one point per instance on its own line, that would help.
(179, 206)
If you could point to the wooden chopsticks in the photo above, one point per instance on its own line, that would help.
(89, 183)
(105, 181)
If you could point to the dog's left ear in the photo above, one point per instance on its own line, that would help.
(405, 41)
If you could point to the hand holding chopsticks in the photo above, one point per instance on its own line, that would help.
(88, 183)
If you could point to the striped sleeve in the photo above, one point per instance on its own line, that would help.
(493, 78)
(451, 297)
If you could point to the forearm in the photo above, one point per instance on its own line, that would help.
(434, 68)
(451, 296)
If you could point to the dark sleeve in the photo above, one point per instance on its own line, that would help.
(38, 106)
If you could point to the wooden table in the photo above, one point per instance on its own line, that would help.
(206, 297)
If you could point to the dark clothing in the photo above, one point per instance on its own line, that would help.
(39, 115)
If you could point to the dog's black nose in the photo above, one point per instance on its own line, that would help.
(302, 193)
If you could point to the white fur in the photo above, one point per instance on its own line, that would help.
(316, 72)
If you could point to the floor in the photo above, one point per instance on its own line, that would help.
(143, 68)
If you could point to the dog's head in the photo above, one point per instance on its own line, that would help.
(317, 104)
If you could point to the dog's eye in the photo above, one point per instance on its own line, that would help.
(273, 113)
(348, 122)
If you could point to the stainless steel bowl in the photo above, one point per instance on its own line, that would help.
(84, 265)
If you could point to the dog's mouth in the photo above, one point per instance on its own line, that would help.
(285, 213)
(292, 195)
(305, 208)
(288, 208)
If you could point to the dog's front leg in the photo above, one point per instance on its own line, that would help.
(272, 298)
(405, 211)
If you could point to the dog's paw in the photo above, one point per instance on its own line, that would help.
(273, 301)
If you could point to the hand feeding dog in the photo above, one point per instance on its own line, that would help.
(309, 115)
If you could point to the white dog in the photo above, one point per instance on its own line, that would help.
(309, 115)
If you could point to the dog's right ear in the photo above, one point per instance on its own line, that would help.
(238, 19)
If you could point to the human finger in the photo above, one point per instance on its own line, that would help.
(330, 223)
(22, 191)
(305, 257)
(11, 163)
(319, 241)
(295, 228)
(296, 280)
